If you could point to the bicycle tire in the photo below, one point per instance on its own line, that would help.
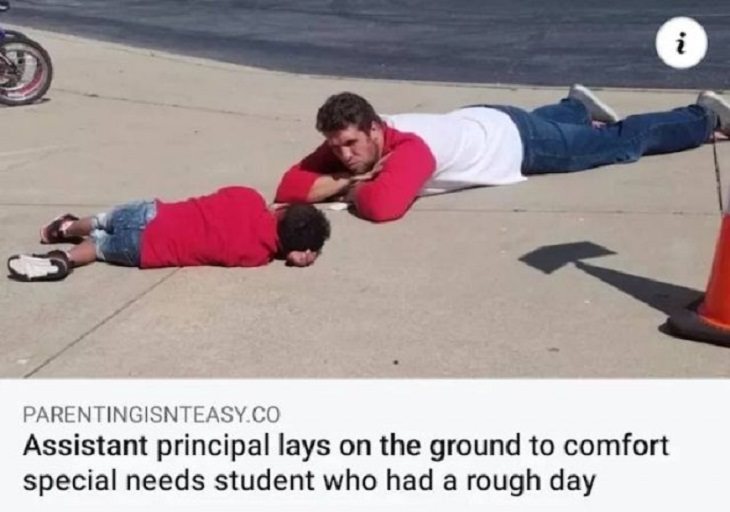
(14, 34)
(23, 93)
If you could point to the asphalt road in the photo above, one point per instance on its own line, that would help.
(532, 42)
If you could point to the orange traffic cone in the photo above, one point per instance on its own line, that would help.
(709, 320)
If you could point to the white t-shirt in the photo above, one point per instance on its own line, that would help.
(472, 146)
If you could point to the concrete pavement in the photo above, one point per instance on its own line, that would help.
(449, 291)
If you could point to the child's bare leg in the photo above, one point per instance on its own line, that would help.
(83, 253)
(81, 227)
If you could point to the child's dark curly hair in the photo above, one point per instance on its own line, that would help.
(302, 227)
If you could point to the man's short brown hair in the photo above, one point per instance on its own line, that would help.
(345, 109)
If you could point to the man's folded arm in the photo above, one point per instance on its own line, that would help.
(316, 178)
(390, 194)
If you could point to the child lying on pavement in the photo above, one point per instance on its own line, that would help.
(232, 227)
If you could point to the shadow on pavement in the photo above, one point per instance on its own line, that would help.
(665, 297)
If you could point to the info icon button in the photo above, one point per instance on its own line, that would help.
(681, 43)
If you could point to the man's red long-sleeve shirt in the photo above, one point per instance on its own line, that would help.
(409, 166)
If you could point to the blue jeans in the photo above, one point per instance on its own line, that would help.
(560, 138)
(118, 233)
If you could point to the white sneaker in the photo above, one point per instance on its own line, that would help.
(39, 267)
(598, 110)
(717, 104)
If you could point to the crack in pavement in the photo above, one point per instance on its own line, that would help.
(562, 212)
(31, 150)
(58, 205)
(427, 210)
(15, 166)
(103, 322)
(179, 106)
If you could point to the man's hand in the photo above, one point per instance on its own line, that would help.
(372, 173)
(330, 186)
(356, 180)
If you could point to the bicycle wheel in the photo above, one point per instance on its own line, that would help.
(14, 34)
(26, 71)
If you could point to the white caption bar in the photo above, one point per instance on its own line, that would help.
(364, 445)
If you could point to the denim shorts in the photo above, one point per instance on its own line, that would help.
(118, 233)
